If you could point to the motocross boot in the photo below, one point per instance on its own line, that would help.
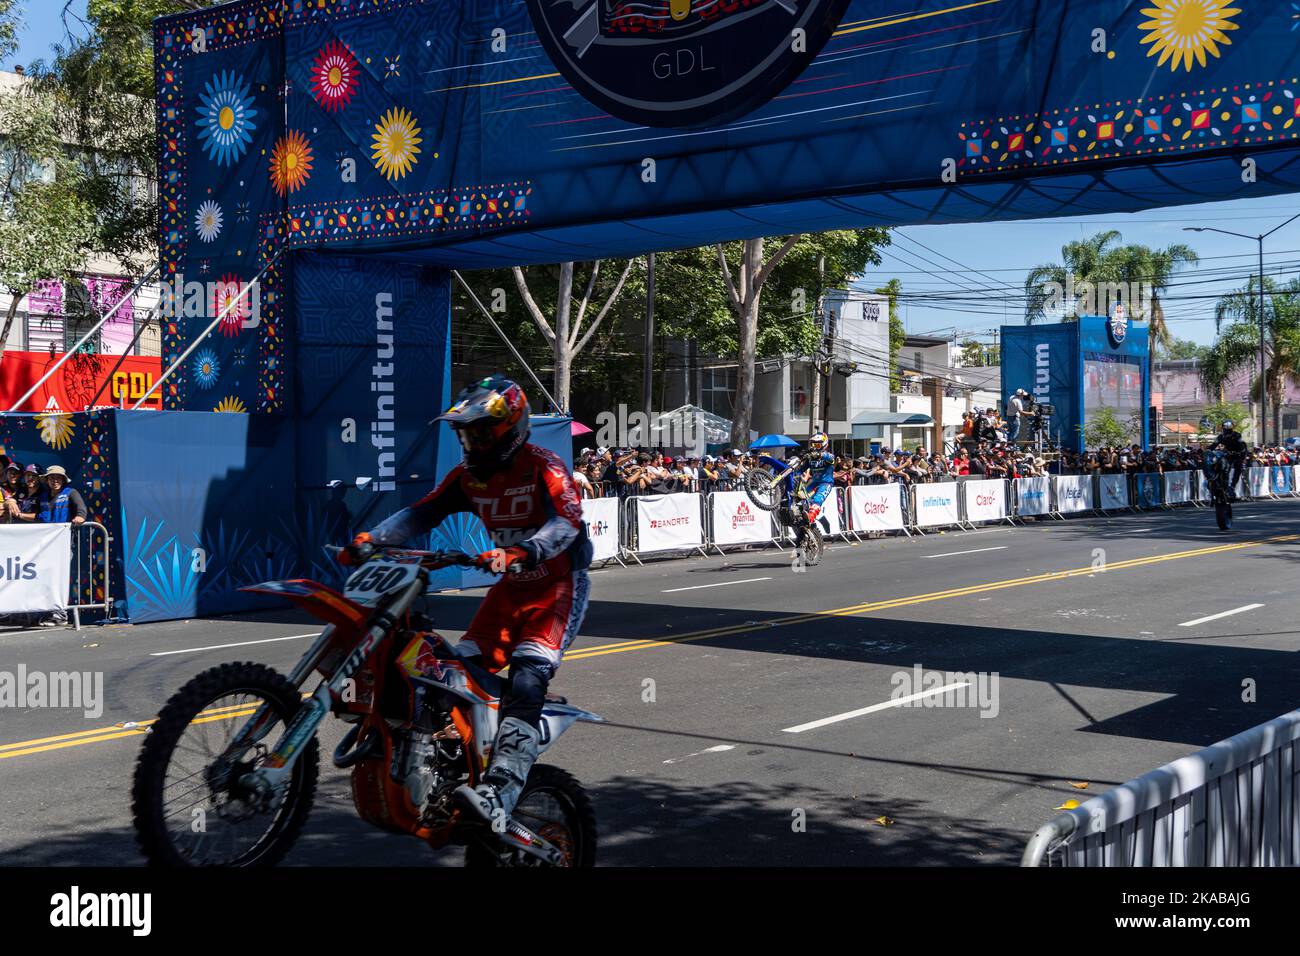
(513, 755)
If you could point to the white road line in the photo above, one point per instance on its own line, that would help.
(720, 584)
(953, 554)
(875, 707)
(720, 748)
(1130, 531)
(222, 647)
(1215, 617)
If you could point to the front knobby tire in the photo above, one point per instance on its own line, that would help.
(163, 829)
(763, 489)
(555, 806)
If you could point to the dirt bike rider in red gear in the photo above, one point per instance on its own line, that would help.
(526, 498)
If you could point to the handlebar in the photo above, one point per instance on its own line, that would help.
(430, 560)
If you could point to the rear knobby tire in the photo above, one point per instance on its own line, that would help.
(580, 820)
(1223, 515)
(814, 545)
(147, 805)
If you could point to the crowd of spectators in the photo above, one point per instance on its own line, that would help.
(602, 472)
(29, 495)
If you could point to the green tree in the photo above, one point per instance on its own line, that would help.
(1176, 349)
(1102, 272)
(46, 224)
(1234, 412)
(891, 290)
(1104, 430)
(11, 15)
(1237, 346)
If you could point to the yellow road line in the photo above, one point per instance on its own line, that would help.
(476, 86)
(103, 734)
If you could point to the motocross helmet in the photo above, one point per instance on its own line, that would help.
(817, 442)
(1227, 426)
(491, 420)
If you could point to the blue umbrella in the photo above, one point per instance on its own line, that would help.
(774, 441)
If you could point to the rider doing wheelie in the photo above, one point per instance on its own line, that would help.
(819, 465)
(527, 500)
(1234, 446)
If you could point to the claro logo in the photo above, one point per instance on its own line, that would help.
(16, 569)
(875, 507)
(984, 500)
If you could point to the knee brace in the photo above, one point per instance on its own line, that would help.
(529, 679)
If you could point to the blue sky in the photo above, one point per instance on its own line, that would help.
(971, 276)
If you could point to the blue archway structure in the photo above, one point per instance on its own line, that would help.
(355, 150)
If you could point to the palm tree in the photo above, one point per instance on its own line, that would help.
(1098, 264)
(1151, 269)
(1083, 261)
(1237, 346)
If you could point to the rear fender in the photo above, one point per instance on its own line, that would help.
(557, 718)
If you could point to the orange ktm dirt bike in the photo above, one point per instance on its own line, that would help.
(228, 771)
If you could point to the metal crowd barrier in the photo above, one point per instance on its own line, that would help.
(1235, 803)
(91, 569)
(1087, 494)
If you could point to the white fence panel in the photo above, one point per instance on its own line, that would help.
(668, 522)
(36, 566)
(985, 500)
(1114, 492)
(936, 504)
(1074, 493)
(876, 507)
(1178, 487)
(737, 520)
(603, 527)
(1033, 496)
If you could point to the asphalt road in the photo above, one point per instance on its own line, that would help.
(717, 677)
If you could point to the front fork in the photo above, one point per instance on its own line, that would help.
(266, 781)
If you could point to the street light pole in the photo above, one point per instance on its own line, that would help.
(1263, 384)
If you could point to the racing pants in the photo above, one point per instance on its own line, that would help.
(529, 627)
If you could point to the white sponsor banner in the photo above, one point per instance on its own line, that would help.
(876, 507)
(1202, 487)
(737, 520)
(1114, 492)
(35, 562)
(1032, 496)
(831, 512)
(1295, 479)
(665, 522)
(1178, 487)
(1257, 481)
(1073, 493)
(601, 515)
(986, 500)
(936, 504)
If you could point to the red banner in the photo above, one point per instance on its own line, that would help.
(83, 382)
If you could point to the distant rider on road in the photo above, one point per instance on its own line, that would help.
(1234, 445)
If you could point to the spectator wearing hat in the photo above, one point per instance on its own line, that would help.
(33, 498)
(65, 505)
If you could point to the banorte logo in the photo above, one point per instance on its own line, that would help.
(669, 522)
(743, 516)
(682, 63)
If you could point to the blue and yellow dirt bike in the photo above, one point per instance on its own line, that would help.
(780, 486)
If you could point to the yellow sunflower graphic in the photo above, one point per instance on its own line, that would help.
(290, 163)
(1185, 30)
(56, 430)
(397, 140)
(231, 404)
